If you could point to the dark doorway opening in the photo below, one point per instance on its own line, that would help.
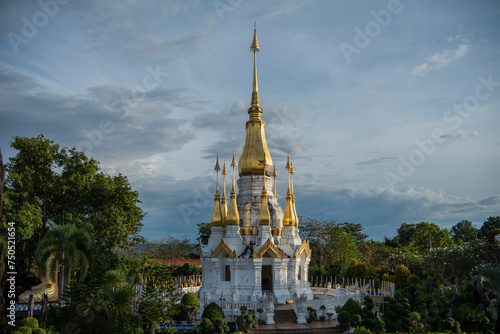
(267, 278)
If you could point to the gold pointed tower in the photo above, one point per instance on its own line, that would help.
(224, 198)
(255, 149)
(288, 217)
(265, 217)
(216, 215)
(295, 217)
(233, 217)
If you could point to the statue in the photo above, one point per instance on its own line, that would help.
(47, 286)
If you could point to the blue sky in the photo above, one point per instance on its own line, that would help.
(389, 109)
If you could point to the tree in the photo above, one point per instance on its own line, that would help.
(46, 181)
(67, 247)
(464, 231)
(170, 248)
(191, 303)
(342, 249)
(424, 236)
(204, 232)
(355, 230)
(490, 228)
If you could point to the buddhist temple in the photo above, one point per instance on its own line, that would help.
(254, 249)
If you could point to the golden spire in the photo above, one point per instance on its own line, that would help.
(265, 217)
(216, 215)
(295, 217)
(288, 217)
(255, 93)
(224, 202)
(255, 147)
(275, 175)
(233, 218)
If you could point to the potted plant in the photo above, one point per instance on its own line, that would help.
(322, 308)
(260, 311)
(312, 314)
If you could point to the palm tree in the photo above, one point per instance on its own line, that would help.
(65, 248)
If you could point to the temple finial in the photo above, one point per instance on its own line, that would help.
(233, 217)
(224, 198)
(255, 110)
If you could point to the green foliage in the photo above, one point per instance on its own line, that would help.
(25, 330)
(206, 326)
(490, 228)
(361, 270)
(204, 232)
(344, 317)
(333, 245)
(463, 232)
(213, 312)
(245, 323)
(352, 307)
(471, 319)
(29, 322)
(401, 275)
(356, 320)
(191, 303)
(38, 331)
(362, 330)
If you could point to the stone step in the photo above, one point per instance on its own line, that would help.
(301, 330)
(285, 317)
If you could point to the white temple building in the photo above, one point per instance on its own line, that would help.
(254, 248)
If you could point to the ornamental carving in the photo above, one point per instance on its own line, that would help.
(268, 246)
(223, 246)
(303, 248)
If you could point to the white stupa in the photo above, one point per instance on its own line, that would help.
(254, 248)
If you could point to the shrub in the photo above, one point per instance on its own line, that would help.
(356, 320)
(29, 322)
(361, 330)
(38, 331)
(206, 326)
(191, 303)
(25, 330)
(213, 312)
(352, 307)
(344, 317)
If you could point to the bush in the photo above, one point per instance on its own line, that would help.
(29, 322)
(344, 317)
(25, 330)
(352, 307)
(356, 320)
(361, 330)
(213, 312)
(206, 326)
(191, 303)
(38, 331)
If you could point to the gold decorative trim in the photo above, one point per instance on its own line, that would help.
(268, 246)
(223, 246)
(303, 248)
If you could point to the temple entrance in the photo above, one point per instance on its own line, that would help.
(267, 278)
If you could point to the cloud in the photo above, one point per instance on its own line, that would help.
(375, 161)
(382, 210)
(439, 60)
(458, 135)
(110, 119)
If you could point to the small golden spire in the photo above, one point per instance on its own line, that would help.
(275, 175)
(224, 198)
(295, 217)
(233, 218)
(216, 215)
(265, 216)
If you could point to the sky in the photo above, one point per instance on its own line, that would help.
(389, 109)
